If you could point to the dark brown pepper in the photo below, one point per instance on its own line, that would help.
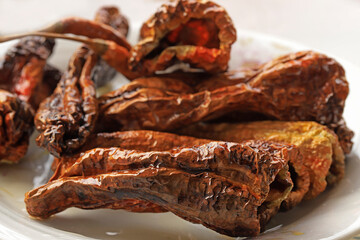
(150, 141)
(23, 72)
(16, 126)
(67, 118)
(63, 119)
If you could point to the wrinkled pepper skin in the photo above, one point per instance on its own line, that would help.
(63, 119)
(199, 33)
(141, 140)
(320, 147)
(16, 126)
(25, 80)
(66, 119)
(155, 145)
(145, 140)
(224, 186)
(303, 86)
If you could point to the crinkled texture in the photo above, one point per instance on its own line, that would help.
(224, 186)
(305, 86)
(24, 72)
(320, 147)
(141, 140)
(16, 126)
(67, 118)
(199, 33)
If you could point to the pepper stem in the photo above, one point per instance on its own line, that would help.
(48, 35)
(99, 46)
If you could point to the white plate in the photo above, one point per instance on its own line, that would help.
(335, 214)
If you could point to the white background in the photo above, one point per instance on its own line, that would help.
(332, 26)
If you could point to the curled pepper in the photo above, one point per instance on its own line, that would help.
(66, 119)
(199, 33)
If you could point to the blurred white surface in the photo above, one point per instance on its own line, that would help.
(332, 26)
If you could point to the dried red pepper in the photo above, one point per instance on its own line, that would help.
(136, 140)
(199, 33)
(320, 147)
(198, 184)
(301, 86)
(151, 141)
(67, 118)
(16, 126)
(24, 72)
(22, 68)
